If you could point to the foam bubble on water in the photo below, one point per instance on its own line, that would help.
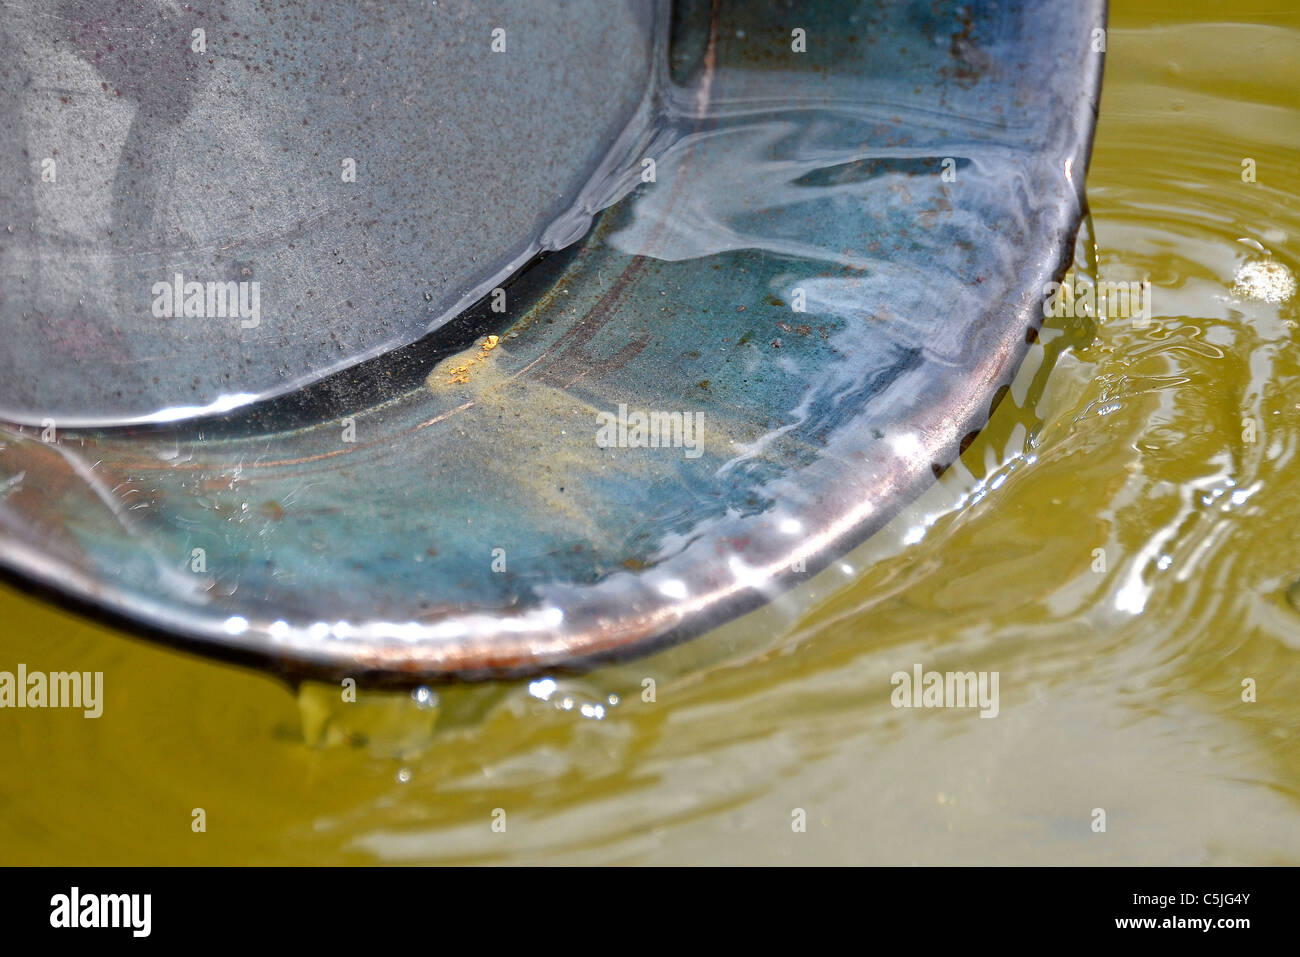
(1265, 280)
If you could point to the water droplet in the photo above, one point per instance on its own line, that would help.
(542, 688)
(424, 698)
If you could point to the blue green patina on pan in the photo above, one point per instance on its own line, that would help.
(451, 508)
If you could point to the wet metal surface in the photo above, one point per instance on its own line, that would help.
(364, 170)
(467, 519)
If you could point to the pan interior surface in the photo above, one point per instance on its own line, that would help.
(224, 202)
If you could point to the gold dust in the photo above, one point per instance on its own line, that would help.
(459, 373)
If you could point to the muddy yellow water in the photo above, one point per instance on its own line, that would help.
(1122, 546)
